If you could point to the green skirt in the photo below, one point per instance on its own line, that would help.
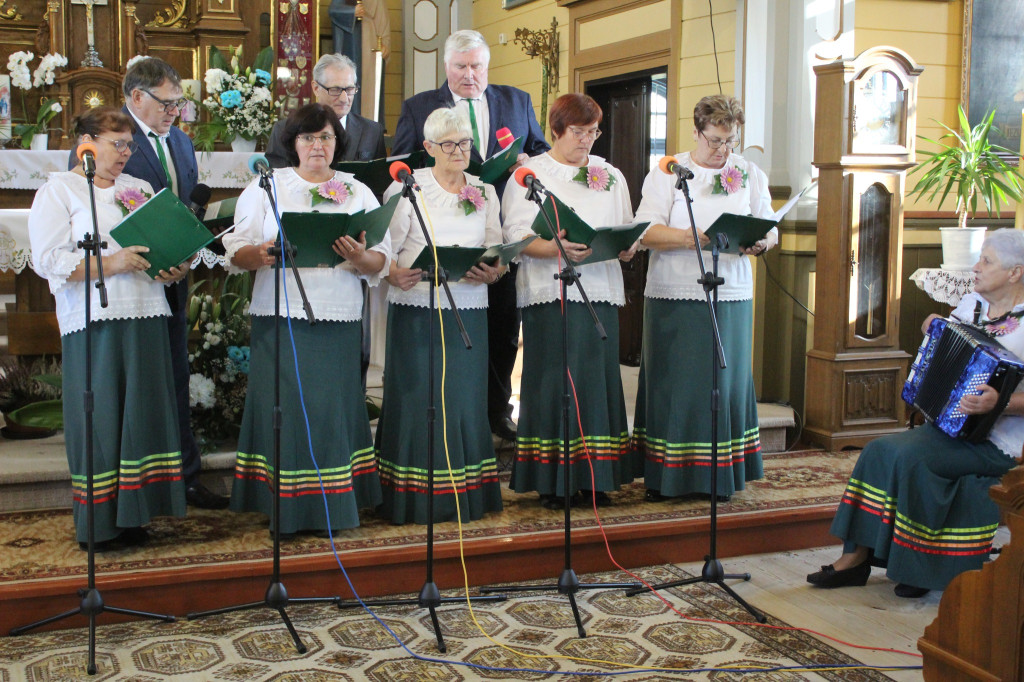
(672, 428)
(402, 428)
(328, 355)
(136, 456)
(919, 499)
(594, 368)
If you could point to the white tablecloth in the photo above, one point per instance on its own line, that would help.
(24, 169)
(944, 286)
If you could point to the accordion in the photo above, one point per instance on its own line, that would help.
(953, 361)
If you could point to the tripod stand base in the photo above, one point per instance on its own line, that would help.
(713, 574)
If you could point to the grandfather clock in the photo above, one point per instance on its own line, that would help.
(863, 147)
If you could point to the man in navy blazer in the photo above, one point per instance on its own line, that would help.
(489, 108)
(153, 98)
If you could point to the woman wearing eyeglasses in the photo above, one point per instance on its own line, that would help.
(137, 459)
(461, 211)
(327, 354)
(672, 428)
(597, 192)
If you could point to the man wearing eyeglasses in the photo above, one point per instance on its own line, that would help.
(334, 84)
(164, 157)
(489, 108)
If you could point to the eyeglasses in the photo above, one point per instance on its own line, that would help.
(580, 134)
(310, 140)
(448, 146)
(169, 104)
(120, 145)
(336, 92)
(715, 143)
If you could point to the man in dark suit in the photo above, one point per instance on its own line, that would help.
(489, 108)
(334, 84)
(165, 158)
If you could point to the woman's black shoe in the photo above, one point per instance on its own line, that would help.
(129, 537)
(655, 496)
(910, 592)
(600, 497)
(829, 577)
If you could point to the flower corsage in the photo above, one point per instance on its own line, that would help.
(129, 199)
(729, 181)
(471, 198)
(333, 190)
(1001, 326)
(595, 178)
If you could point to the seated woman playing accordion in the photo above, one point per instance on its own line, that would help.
(917, 502)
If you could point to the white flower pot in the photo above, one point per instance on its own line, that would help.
(40, 141)
(240, 144)
(961, 246)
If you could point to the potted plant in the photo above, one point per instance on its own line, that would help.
(35, 134)
(240, 102)
(969, 164)
(30, 397)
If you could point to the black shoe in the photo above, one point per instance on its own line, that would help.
(600, 497)
(552, 502)
(129, 537)
(910, 592)
(505, 429)
(655, 496)
(829, 577)
(198, 495)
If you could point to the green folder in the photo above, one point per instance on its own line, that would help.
(743, 230)
(313, 234)
(458, 260)
(220, 215)
(376, 174)
(496, 167)
(606, 242)
(167, 227)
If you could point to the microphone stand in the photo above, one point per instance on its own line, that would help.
(568, 583)
(713, 573)
(276, 596)
(430, 596)
(91, 601)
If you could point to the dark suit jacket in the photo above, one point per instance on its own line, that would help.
(507, 107)
(364, 141)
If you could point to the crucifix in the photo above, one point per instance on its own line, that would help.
(92, 57)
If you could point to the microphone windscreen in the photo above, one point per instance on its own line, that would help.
(256, 159)
(505, 137)
(200, 195)
(666, 163)
(399, 166)
(86, 147)
(522, 173)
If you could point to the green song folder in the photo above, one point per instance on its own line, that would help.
(606, 242)
(496, 168)
(220, 215)
(458, 260)
(376, 174)
(742, 230)
(167, 227)
(313, 234)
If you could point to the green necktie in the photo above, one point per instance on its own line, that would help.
(476, 131)
(163, 158)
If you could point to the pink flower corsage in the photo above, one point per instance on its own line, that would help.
(1007, 325)
(333, 190)
(595, 178)
(129, 199)
(729, 181)
(471, 198)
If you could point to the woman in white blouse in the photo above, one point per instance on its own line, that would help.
(327, 354)
(137, 459)
(460, 210)
(672, 429)
(598, 193)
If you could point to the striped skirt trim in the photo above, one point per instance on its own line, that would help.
(414, 479)
(133, 475)
(299, 483)
(679, 455)
(548, 451)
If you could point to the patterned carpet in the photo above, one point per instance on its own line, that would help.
(39, 545)
(253, 646)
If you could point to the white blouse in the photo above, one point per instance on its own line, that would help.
(536, 282)
(450, 226)
(673, 273)
(335, 294)
(1008, 432)
(60, 217)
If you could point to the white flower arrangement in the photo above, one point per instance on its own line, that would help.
(47, 69)
(24, 79)
(240, 102)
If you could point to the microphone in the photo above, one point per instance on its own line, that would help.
(86, 153)
(259, 165)
(669, 165)
(505, 138)
(528, 179)
(198, 199)
(400, 172)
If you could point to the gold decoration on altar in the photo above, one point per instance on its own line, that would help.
(93, 98)
(175, 16)
(11, 13)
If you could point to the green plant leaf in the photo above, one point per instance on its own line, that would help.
(46, 414)
(56, 380)
(264, 60)
(217, 60)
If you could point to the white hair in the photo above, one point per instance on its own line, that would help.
(1008, 245)
(445, 121)
(465, 41)
(333, 61)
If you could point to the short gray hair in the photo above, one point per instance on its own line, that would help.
(334, 61)
(445, 121)
(1008, 244)
(465, 41)
(147, 74)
